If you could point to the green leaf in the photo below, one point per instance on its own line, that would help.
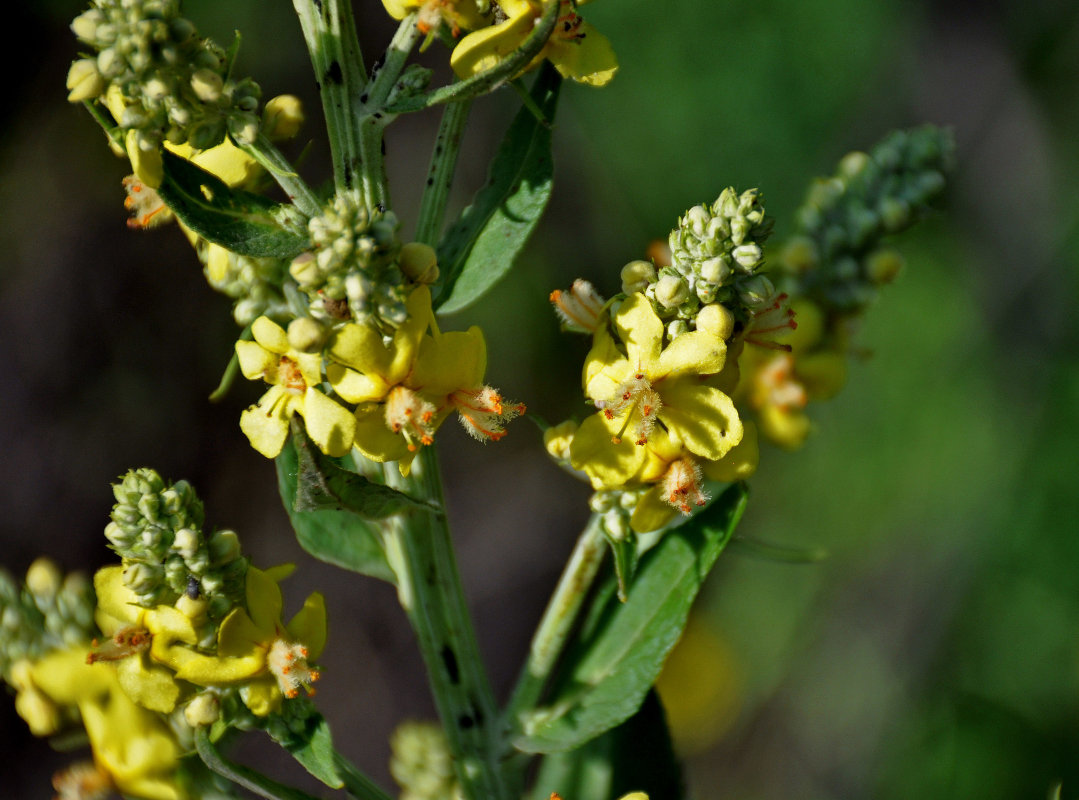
(482, 245)
(243, 776)
(624, 555)
(312, 746)
(340, 538)
(238, 221)
(636, 756)
(622, 646)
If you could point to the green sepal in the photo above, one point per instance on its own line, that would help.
(622, 646)
(624, 553)
(636, 756)
(313, 748)
(237, 220)
(481, 247)
(341, 538)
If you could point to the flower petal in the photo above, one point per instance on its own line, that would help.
(696, 353)
(701, 417)
(604, 367)
(353, 386)
(740, 462)
(270, 335)
(309, 625)
(255, 360)
(266, 424)
(641, 330)
(455, 360)
(485, 48)
(152, 687)
(607, 464)
(116, 606)
(589, 59)
(360, 347)
(330, 425)
(374, 439)
(652, 511)
(264, 603)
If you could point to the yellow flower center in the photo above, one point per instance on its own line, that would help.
(411, 416)
(682, 485)
(289, 376)
(287, 662)
(635, 394)
(125, 642)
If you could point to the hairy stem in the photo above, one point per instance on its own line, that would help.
(420, 551)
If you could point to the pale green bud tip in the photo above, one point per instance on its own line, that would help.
(671, 291)
(853, 164)
(304, 268)
(637, 275)
(84, 81)
(306, 335)
(717, 320)
(883, 266)
(419, 262)
(203, 709)
(43, 579)
(282, 117)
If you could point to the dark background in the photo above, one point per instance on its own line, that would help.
(935, 653)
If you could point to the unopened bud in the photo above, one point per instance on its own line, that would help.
(419, 262)
(676, 327)
(717, 320)
(715, 270)
(186, 543)
(43, 579)
(306, 335)
(637, 275)
(883, 266)
(224, 546)
(207, 85)
(203, 709)
(853, 164)
(282, 117)
(671, 291)
(747, 256)
(84, 81)
(304, 268)
(756, 291)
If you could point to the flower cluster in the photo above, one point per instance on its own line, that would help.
(141, 662)
(160, 81)
(390, 392)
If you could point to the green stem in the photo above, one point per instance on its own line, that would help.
(330, 33)
(244, 776)
(492, 78)
(558, 619)
(440, 173)
(372, 117)
(356, 783)
(420, 551)
(266, 153)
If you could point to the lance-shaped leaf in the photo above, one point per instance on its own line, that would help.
(312, 746)
(341, 538)
(622, 646)
(239, 221)
(483, 244)
(636, 756)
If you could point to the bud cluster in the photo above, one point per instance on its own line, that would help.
(616, 507)
(49, 611)
(156, 528)
(253, 282)
(421, 762)
(353, 261)
(160, 79)
(836, 256)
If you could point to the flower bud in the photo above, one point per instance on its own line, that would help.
(800, 254)
(306, 335)
(755, 291)
(84, 81)
(671, 291)
(207, 85)
(305, 269)
(717, 320)
(204, 709)
(883, 266)
(747, 256)
(419, 262)
(637, 275)
(224, 546)
(186, 543)
(85, 26)
(282, 117)
(676, 327)
(43, 579)
(715, 270)
(853, 164)
(894, 213)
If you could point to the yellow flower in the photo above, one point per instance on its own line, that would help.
(131, 745)
(405, 391)
(458, 14)
(293, 377)
(142, 641)
(646, 385)
(576, 49)
(256, 650)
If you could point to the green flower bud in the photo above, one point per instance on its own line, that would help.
(883, 266)
(224, 546)
(637, 275)
(203, 709)
(755, 291)
(671, 291)
(84, 81)
(43, 578)
(717, 320)
(306, 335)
(419, 262)
(282, 117)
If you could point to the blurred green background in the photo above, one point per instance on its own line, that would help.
(935, 653)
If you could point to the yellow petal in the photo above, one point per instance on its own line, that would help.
(330, 425)
(146, 164)
(406, 341)
(116, 606)
(788, 429)
(604, 367)
(270, 335)
(309, 625)
(641, 330)
(263, 595)
(740, 463)
(353, 386)
(262, 697)
(151, 687)
(310, 365)
(589, 59)
(255, 360)
(266, 424)
(701, 417)
(609, 465)
(229, 163)
(485, 48)
(399, 9)
(652, 512)
(454, 361)
(66, 679)
(696, 353)
(360, 347)
(374, 439)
